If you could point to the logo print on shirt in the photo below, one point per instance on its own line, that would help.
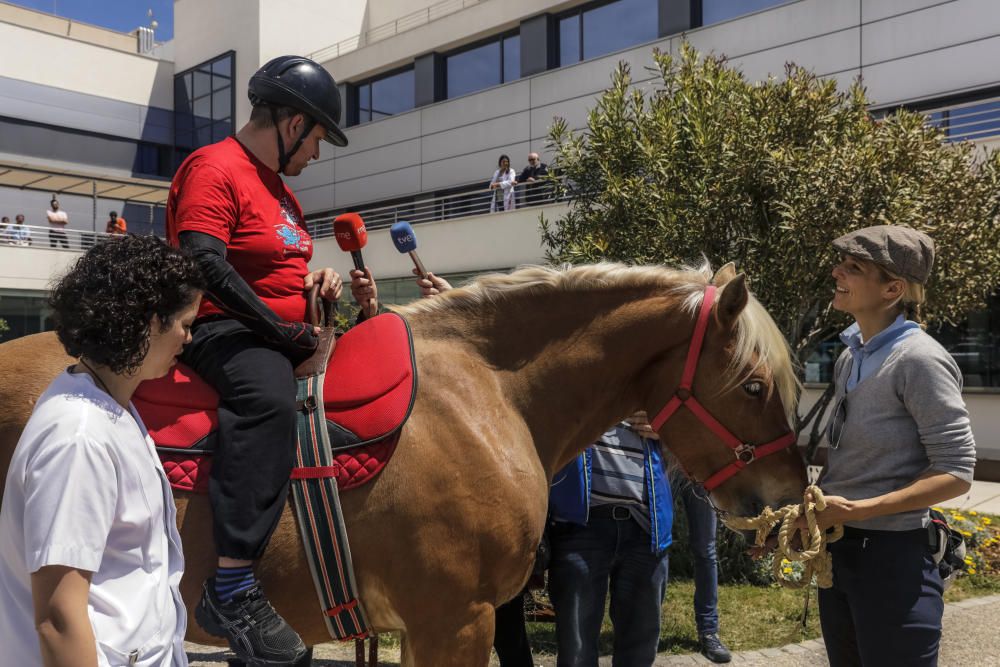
(289, 231)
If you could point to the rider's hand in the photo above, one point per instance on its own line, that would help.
(640, 424)
(364, 291)
(330, 284)
(431, 285)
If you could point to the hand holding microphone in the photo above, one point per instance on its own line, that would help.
(349, 230)
(406, 242)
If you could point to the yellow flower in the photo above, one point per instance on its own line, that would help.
(958, 517)
(787, 570)
(936, 509)
(973, 513)
(972, 570)
(966, 533)
(968, 560)
(986, 521)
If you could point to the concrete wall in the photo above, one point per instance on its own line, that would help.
(496, 241)
(32, 268)
(304, 26)
(905, 50)
(59, 62)
(204, 29)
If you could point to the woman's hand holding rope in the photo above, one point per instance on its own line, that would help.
(814, 556)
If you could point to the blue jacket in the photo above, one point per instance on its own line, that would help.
(569, 497)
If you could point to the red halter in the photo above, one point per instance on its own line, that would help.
(745, 452)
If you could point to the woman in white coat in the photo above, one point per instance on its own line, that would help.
(502, 185)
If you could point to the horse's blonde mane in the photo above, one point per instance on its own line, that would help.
(759, 343)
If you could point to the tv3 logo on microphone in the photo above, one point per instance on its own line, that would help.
(348, 235)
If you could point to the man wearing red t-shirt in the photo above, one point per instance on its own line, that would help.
(229, 207)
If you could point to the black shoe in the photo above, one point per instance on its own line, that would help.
(254, 630)
(712, 648)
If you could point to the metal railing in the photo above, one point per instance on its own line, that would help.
(50, 238)
(474, 201)
(969, 121)
(386, 30)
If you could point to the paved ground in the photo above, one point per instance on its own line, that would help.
(982, 497)
(970, 640)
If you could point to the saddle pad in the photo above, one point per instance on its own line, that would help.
(370, 382)
(365, 409)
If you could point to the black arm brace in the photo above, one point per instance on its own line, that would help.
(233, 295)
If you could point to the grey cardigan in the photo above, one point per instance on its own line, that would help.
(905, 419)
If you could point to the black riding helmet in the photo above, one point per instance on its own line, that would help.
(299, 83)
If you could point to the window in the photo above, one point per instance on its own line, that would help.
(203, 105)
(386, 96)
(483, 66)
(714, 11)
(599, 29)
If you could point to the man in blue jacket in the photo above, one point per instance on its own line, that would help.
(613, 513)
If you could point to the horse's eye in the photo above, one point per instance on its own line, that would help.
(754, 387)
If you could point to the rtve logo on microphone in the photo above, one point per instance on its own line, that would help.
(405, 239)
(348, 235)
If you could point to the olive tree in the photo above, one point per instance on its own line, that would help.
(703, 162)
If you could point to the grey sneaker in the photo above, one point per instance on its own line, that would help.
(712, 648)
(256, 633)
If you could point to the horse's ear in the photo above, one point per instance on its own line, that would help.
(724, 275)
(733, 300)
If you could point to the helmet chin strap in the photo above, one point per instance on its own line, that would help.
(284, 157)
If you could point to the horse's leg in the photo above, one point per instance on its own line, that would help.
(437, 642)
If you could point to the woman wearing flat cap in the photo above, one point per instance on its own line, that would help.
(900, 442)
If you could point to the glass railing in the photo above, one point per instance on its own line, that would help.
(49, 238)
(970, 121)
(474, 201)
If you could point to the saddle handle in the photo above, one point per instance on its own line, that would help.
(319, 311)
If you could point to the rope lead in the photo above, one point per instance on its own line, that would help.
(814, 557)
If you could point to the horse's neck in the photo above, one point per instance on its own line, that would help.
(571, 362)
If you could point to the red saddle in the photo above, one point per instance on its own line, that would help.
(368, 393)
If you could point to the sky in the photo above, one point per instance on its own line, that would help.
(120, 15)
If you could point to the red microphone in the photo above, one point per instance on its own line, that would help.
(352, 236)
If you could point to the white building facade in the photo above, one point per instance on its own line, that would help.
(435, 91)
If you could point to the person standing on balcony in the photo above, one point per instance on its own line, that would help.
(229, 207)
(502, 185)
(58, 220)
(116, 224)
(18, 234)
(535, 191)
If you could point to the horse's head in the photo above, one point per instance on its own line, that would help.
(724, 404)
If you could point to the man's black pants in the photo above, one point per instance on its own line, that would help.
(256, 445)
(885, 606)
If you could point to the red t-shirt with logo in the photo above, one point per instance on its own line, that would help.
(223, 190)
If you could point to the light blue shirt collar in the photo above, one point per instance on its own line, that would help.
(868, 357)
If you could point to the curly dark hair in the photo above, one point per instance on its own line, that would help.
(105, 304)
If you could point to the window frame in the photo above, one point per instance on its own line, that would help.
(194, 128)
(374, 79)
(497, 38)
(580, 10)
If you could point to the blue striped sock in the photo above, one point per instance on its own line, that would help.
(232, 580)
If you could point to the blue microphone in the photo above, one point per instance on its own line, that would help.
(406, 241)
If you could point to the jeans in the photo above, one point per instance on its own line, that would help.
(585, 559)
(702, 527)
(885, 605)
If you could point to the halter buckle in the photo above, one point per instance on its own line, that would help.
(745, 453)
(683, 394)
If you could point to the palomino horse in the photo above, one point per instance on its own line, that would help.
(518, 374)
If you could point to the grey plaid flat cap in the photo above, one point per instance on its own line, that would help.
(902, 250)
